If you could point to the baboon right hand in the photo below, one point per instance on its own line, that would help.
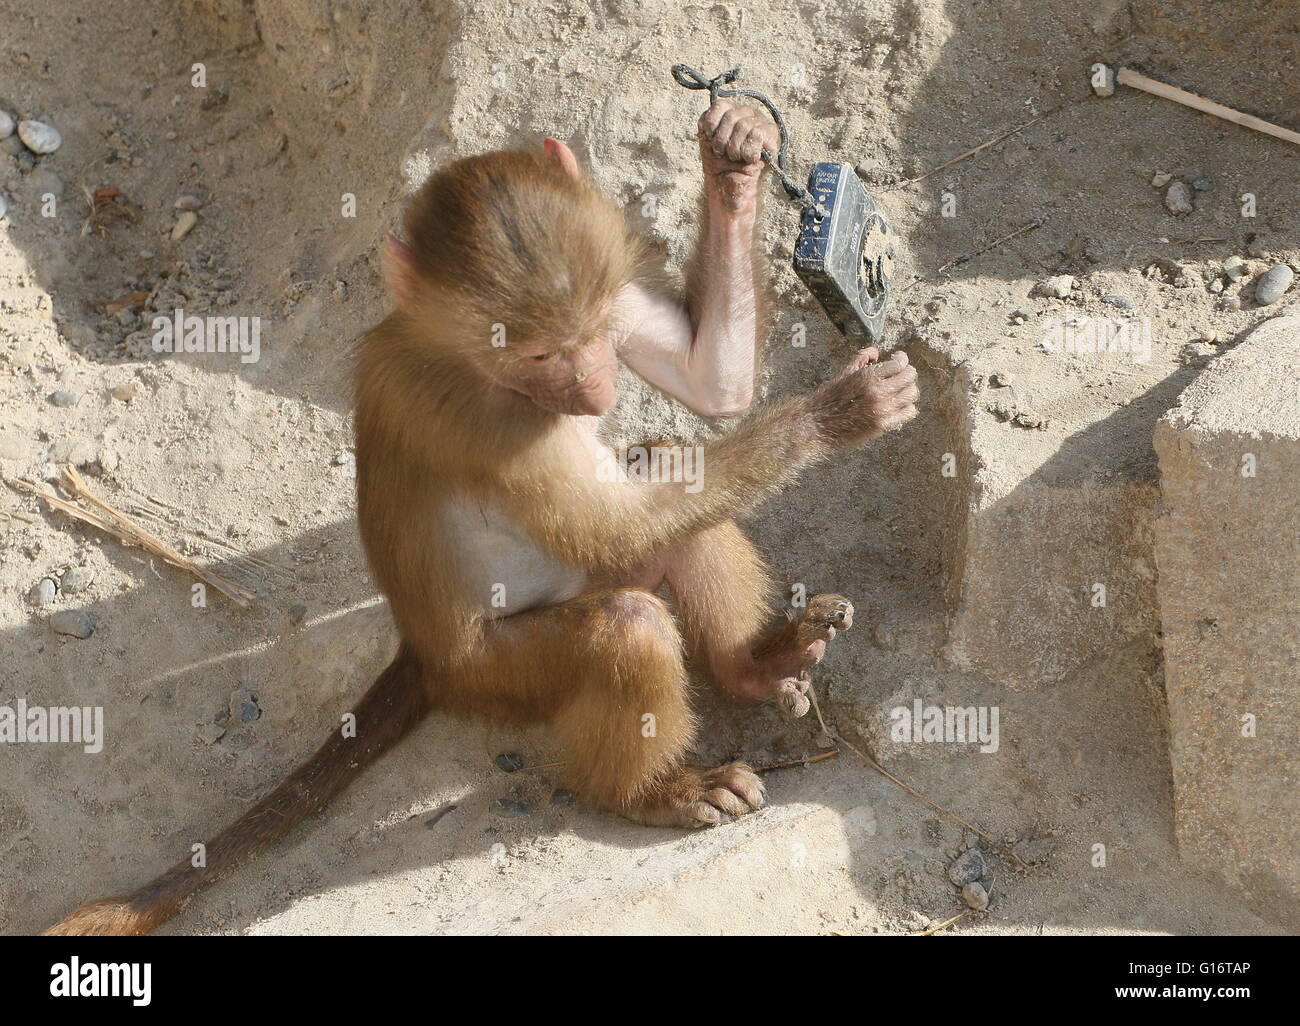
(867, 399)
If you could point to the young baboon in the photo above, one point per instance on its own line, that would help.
(523, 580)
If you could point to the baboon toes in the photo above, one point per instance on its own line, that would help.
(698, 798)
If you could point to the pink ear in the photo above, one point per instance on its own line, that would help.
(399, 268)
(563, 156)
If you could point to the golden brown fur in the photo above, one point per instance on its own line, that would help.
(510, 239)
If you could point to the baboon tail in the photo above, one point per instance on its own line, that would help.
(395, 703)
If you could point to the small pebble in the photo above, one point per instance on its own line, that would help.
(188, 202)
(63, 398)
(76, 579)
(75, 623)
(1160, 180)
(1235, 268)
(243, 706)
(1216, 286)
(1058, 286)
(975, 896)
(125, 392)
(39, 137)
(1000, 379)
(1231, 302)
(184, 223)
(509, 808)
(12, 145)
(968, 867)
(43, 593)
(1272, 283)
(6, 124)
(509, 762)
(1179, 199)
(1120, 301)
(1201, 184)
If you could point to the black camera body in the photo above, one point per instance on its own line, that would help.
(846, 255)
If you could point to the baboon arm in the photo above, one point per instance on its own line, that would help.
(703, 352)
(580, 507)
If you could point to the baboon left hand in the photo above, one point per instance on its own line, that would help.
(732, 140)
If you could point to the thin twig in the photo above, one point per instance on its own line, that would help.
(910, 790)
(797, 762)
(542, 766)
(1037, 223)
(942, 926)
(971, 152)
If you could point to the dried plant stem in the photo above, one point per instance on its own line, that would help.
(122, 527)
(910, 790)
(942, 926)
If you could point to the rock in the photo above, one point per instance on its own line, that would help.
(63, 398)
(39, 137)
(75, 623)
(1231, 302)
(975, 896)
(211, 733)
(1058, 286)
(1235, 268)
(6, 124)
(1228, 637)
(509, 808)
(184, 223)
(76, 579)
(243, 706)
(188, 202)
(1201, 184)
(1120, 301)
(509, 762)
(1256, 246)
(126, 391)
(1272, 283)
(1179, 199)
(1160, 180)
(12, 145)
(1000, 379)
(1216, 286)
(43, 593)
(968, 867)
(1030, 418)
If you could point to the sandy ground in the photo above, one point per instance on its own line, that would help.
(247, 466)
